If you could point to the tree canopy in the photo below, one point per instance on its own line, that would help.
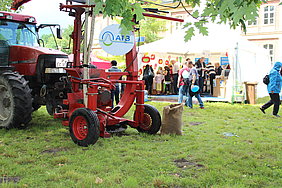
(232, 12)
(150, 29)
(63, 43)
(5, 5)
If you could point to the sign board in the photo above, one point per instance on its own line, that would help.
(113, 42)
(206, 60)
(224, 61)
(140, 39)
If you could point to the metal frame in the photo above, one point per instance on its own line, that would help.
(134, 90)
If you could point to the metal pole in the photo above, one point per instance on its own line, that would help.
(235, 86)
(85, 55)
(91, 38)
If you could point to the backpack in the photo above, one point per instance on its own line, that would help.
(151, 73)
(266, 79)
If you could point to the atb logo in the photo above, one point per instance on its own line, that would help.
(113, 42)
(108, 38)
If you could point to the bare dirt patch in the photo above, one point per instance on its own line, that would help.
(53, 150)
(196, 123)
(120, 134)
(184, 163)
(7, 179)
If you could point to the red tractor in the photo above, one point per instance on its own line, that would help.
(87, 108)
(30, 75)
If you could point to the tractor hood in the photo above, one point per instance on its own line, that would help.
(27, 54)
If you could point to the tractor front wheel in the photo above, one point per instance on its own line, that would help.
(15, 100)
(151, 120)
(84, 127)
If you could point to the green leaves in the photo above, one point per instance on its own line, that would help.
(124, 9)
(138, 11)
(5, 5)
(189, 33)
(233, 12)
(195, 14)
(99, 6)
(151, 27)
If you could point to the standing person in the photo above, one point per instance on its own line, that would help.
(167, 80)
(161, 70)
(274, 88)
(181, 83)
(193, 80)
(200, 66)
(218, 69)
(162, 73)
(211, 74)
(171, 77)
(159, 80)
(115, 92)
(148, 76)
(175, 69)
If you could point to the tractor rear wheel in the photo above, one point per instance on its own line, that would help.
(151, 120)
(15, 101)
(84, 127)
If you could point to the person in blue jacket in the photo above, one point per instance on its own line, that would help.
(274, 88)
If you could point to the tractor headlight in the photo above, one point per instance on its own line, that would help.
(9, 17)
(31, 19)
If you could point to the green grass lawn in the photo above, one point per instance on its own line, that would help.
(44, 155)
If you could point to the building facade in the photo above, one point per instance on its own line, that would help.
(266, 30)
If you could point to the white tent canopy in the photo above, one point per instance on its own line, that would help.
(249, 63)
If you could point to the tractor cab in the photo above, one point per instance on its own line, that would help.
(16, 29)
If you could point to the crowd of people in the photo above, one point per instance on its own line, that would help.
(166, 79)
(182, 81)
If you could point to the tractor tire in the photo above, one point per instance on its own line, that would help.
(50, 107)
(84, 127)
(15, 101)
(152, 120)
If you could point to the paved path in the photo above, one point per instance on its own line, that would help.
(174, 98)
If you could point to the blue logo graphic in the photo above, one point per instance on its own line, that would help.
(108, 38)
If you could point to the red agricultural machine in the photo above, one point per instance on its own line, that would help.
(30, 75)
(82, 95)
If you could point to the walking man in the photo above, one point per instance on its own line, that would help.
(115, 92)
(175, 69)
(274, 88)
(193, 80)
(200, 66)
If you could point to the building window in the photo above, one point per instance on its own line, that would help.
(270, 48)
(178, 25)
(268, 15)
